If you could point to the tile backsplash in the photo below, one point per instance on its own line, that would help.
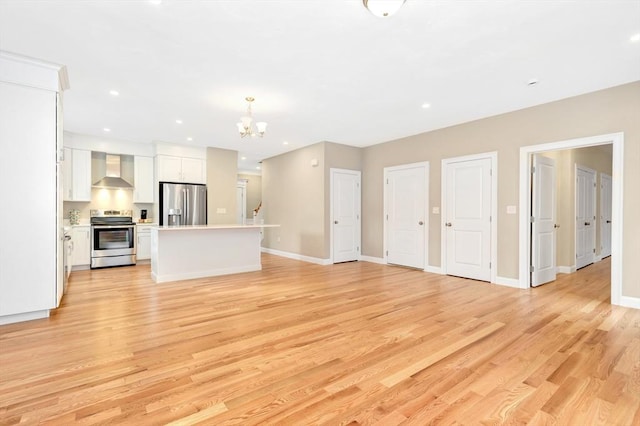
(102, 198)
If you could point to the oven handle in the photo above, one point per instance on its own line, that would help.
(113, 226)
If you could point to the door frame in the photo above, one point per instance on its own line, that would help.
(386, 170)
(332, 172)
(594, 207)
(617, 140)
(493, 155)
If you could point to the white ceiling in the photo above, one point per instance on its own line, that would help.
(320, 70)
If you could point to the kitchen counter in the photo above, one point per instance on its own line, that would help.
(187, 252)
(213, 227)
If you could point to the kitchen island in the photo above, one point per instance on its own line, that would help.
(186, 252)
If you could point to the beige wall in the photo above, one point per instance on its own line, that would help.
(293, 197)
(596, 158)
(607, 111)
(296, 196)
(254, 192)
(222, 180)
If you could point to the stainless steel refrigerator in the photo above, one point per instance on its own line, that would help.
(183, 204)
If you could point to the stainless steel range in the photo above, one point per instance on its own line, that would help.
(113, 236)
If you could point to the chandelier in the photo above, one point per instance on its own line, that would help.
(383, 8)
(244, 126)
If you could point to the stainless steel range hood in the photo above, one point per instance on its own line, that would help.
(113, 177)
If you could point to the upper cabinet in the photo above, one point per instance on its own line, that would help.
(181, 169)
(77, 175)
(143, 180)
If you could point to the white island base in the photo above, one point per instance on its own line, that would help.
(186, 252)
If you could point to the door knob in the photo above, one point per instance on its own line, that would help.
(335, 222)
(556, 226)
(608, 221)
(447, 224)
(587, 223)
(421, 223)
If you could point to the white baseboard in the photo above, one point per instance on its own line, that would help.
(297, 256)
(566, 269)
(80, 268)
(433, 269)
(508, 282)
(630, 302)
(27, 316)
(371, 259)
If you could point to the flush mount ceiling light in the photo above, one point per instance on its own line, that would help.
(383, 8)
(244, 127)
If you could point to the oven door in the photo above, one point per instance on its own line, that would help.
(113, 240)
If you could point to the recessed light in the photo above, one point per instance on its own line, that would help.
(106, 129)
(243, 158)
(189, 139)
(114, 92)
(635, 38)
(285, 143)
(426, 105)
(257, 167)
(179, 121)
(532, 82)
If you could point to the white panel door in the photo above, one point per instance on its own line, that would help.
(468, 219)
(605, 215)
(543, 225)
(241, 204)
(345, 215)
(585, 216)
(406, 197)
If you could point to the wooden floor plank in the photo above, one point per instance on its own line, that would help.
(296, 343)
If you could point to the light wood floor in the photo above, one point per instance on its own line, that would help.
(297, 344)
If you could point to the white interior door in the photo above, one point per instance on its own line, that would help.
(605, 215)
(543, 221)
(345, 215)
(406, 215)
(241, 204)
(467, 220)
(585, 216)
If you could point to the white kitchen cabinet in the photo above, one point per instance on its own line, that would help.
(143, 248)
(31, 256)
(193, 170)
(143, 178)
(77, 175)
(81, 240)
(181, 169)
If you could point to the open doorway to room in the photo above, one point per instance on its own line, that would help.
(616, 141)
(568, 209)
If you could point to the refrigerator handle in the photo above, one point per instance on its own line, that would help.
(186, 201)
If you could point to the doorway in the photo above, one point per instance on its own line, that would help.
(406, 195)
(585, 216)
(468, 208)
(241, 202)
(345, 215)
(617, 141)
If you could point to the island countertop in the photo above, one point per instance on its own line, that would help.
(213, 227)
